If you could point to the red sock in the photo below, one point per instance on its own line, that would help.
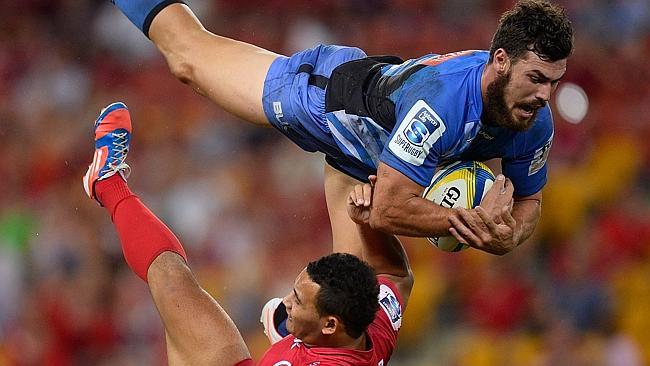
(142, 235)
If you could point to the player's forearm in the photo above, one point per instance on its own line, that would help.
(527, 213)
(415, 217)
(384, 252)
(398, 207)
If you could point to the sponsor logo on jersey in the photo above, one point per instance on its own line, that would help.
(539, 160)
(417, 132)
(391, 306)
(485, 135)
(277, 109)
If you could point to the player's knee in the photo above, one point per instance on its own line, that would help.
(182, 69)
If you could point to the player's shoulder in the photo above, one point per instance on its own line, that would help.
(451, 66)
(446, 78)
(391, 303)
(454, 61)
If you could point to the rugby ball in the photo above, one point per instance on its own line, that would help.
(458, 185)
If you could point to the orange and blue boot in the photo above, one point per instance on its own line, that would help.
(112, 137)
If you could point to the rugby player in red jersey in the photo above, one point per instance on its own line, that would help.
(342, 310)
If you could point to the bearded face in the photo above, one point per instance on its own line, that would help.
(521, 87)
(497, 112)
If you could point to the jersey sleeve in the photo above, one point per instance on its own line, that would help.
(423, 133)
(526, 166)
(388, 320)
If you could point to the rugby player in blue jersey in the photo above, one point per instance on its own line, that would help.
(397, 119)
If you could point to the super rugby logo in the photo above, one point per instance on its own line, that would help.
(419, 130)
(391, 306)
(421, 127)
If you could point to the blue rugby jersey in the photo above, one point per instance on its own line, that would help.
(426, 112)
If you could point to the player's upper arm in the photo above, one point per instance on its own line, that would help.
(410, 157)
(386, 255)
(388, 319)
(418, 140)
(404, 285)
(527, 164)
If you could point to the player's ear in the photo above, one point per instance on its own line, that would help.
(501, 61)
(330, 325)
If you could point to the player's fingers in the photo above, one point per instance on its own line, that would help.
(476, 224)
(367, 194)
(354, 196)
(372, 179)
(487, 220)
(508, 187)
(495, 190)
(466, 232)
(472, 221)
(507, 218)
(458, 237)
(511, 204)
(499, 182)
(358, 191)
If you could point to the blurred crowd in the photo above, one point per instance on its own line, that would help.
(250, 209)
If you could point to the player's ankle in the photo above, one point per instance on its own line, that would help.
(111, 191)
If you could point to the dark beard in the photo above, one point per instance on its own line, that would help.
(496, 111)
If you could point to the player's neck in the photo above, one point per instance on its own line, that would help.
(487, 77)
(344, 341)
(358, 344)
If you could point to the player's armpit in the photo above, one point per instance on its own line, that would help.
(199, 332)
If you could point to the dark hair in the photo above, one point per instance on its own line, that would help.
(348, 290)
(537, 26)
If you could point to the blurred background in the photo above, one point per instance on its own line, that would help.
(249, 206)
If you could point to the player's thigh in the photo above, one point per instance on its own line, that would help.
(232, 74)
(229, 72)
(231, 352)
(198, 330)
(345, 236)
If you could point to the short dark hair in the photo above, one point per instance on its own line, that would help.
(537, 26)
(348, 290)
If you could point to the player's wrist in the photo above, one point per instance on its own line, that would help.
(142, 12)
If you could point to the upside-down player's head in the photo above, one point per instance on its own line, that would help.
(528, 53)
(335, 294)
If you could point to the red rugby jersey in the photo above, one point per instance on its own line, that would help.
(382, 332)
